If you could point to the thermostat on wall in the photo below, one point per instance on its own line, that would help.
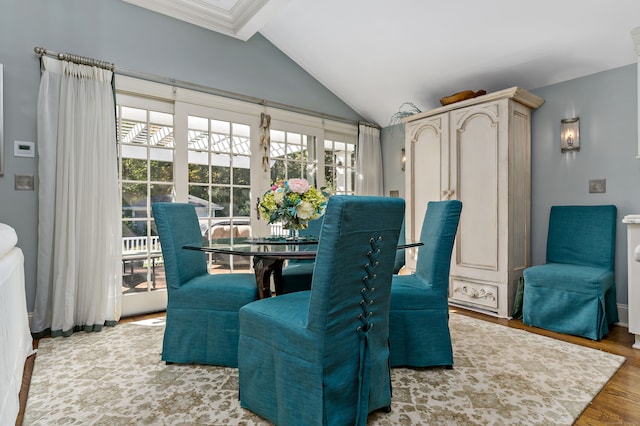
(24, 149)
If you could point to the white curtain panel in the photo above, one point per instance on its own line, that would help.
(79, 266)
(369, 164)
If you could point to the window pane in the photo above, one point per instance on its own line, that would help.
(222, 197)
(161, 165)
(241, 202)
(220, 127)
(198, 141)
(328, 178)
(241, 145)
(133, 126)
(241, 130)
(198, 123)
(220, 175)
(199, 191)
(134, 200)
(198, 173)
(276, 136)
(351, 162)
(132, 229)
(134, 169)
(220, 143)
(161, 136)
(277, 170)
(241, 176)
(161, 193)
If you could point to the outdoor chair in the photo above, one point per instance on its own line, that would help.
(321, 357)
(419, 333)
(575, 291)
(202, 309)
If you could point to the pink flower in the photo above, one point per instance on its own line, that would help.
(299, 186)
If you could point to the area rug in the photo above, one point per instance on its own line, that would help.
(501, 376)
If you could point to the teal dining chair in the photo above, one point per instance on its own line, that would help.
(202, 309)
(574, 292)
(419, 333)
(296, 276)
(400, 253)
(321, 356)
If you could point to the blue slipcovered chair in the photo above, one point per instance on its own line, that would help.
(419, 317)
(321, 357)
(400, 260)
(575, 291)
(202, 309)
(296, 276)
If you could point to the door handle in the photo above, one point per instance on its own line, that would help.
(258, 208)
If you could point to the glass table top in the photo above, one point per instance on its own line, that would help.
(269, 247)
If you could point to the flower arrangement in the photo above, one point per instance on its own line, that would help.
(294, 203)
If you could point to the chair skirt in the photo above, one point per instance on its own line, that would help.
(420, 338)
(279, 368)
(570, 299)
(418, 324)
(203, 327)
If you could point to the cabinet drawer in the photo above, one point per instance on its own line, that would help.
(480, 294)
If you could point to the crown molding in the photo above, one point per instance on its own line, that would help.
(240, 19)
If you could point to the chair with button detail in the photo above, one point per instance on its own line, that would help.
(321, 356)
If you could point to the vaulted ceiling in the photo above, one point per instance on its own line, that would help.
(377, 54)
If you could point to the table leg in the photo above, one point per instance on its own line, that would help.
(264, 268)
(153, 271)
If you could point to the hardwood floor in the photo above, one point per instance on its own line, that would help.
(617, 404)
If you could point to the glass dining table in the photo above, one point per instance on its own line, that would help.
(269, 254)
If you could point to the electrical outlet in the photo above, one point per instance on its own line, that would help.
(597, 185)
(23, 182)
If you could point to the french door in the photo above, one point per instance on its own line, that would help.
(146, 155)
(183, 146)
(220, 150)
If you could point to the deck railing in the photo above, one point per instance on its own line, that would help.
(277, 230)
(136, 245)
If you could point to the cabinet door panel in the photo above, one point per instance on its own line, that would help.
(428, 156)
(475, 164)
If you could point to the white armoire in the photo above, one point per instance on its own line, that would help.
(479, 152)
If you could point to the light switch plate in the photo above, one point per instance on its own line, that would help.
(597, 185)
(24, 149)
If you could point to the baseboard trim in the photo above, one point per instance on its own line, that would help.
(623, 315)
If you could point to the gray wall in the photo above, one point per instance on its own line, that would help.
(136, 39)
(607, 106)
(392, 138)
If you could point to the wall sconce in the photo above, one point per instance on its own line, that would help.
(403, 159)
(570, 134)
